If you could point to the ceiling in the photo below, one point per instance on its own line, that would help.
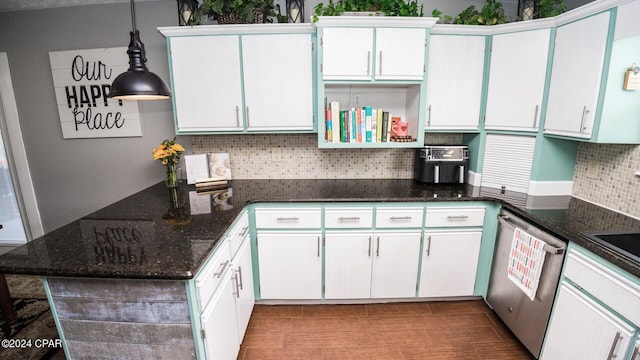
(18, 5)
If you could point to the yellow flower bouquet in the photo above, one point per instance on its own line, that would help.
(169, 154)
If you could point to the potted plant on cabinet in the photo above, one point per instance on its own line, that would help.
(369, 7)
(238, 11)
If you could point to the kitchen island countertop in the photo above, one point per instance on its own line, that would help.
(130, 239)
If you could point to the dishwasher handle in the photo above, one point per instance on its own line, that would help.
(553, 250)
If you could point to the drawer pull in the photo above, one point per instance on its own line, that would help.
(349, 218)
(244, 231)
(293, 218)
(223, 267)
(393, 218)
(613, 346)
(457, 217)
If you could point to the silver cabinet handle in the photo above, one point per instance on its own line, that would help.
(636, 352)
(583, 127)
(248, 120)
(378, 247)
(457, 217)
(239, 271)
(393, 218)
(380, 63)
(429, 115)
(369, 246)
(535, 117)
(318, 246)
(244, 231)
(223, 266)
(368, 62)
(237, 115)
(349, 218)
(613, 346)
(428, 245)
(293, 218)
(237, 292)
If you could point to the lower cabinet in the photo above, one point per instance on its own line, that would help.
(361, 265)
(220, 323)
(290, 264)
(243, 282)
(449, 263)
(582, 329)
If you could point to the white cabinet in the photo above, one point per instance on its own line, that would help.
(454, 82)
(362, 265)
(350, 53)
(220, 324)
(278, 85)
(242, 78)
(582, 329)
(396, 255)
(516, 80)
(348, 261)
(576, 76)
(243, 279)
(449, 263)
(207, 87)
(290, 264)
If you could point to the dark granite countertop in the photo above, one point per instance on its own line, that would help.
(130, 238)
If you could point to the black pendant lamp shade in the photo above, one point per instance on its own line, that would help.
(138, 83)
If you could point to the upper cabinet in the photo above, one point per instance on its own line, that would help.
(371, 81)
(371, 52)
(587, 99)
(242, 79)
(517, 78)
(454, 82)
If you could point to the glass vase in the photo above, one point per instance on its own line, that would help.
(171, 179)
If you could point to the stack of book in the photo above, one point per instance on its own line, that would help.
(360, 125)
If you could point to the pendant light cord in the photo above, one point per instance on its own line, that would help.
(133, 17)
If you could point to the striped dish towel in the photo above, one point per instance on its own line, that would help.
(525, 262)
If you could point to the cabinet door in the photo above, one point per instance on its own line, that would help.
(244, 286)
(290, 265)
(578, 62)
(220, 324)
(207, 86)
(449, 263)
(400, 53)
(347, 53)
(507, 162)
(347, 266)
(454, 81)
(278, 84)
(517, 73)
(395, 264)
(582, 329)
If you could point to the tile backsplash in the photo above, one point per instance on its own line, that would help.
(605, 174)
(255, 156)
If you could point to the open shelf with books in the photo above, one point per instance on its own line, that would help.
(371, 115)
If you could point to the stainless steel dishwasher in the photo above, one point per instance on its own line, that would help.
(527, 319)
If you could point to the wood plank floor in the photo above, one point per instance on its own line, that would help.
(426, 330)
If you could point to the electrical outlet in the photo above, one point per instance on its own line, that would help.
(276, 154)
(593, 169)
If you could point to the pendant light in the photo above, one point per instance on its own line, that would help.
(138, 83)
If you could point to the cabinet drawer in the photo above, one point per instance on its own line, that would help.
(208, 280)
(619, 293)
(399, 217)
(348, 218)
(298, 218)
(238, 232)
(448, 217)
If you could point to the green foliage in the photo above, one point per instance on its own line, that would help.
(491, 13)
(244, 8)
(549, 8)
(387, 7)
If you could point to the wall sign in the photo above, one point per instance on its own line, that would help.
(632, 78)
(82, 80)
